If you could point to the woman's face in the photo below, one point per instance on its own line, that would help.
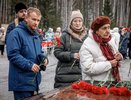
(104, 31)
(77, 23)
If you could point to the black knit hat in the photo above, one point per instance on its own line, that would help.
(20, 6)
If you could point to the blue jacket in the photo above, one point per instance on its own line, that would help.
(11, 26)
(23, 48)
(9, 29)
(123, 45)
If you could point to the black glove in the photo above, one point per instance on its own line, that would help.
(42, 67)
(41, 59)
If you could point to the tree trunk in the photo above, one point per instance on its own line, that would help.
(63, 13)
(90, 9)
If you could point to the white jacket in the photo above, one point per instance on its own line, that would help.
(94, 65)
(115, 34)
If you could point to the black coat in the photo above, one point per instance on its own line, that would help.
(68, 69)
(129, 53)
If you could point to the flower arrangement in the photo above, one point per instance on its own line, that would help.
(57, 41)
(120, 89)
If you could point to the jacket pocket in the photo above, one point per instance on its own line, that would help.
(64, 69)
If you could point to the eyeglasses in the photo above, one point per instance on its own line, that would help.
(23, 10)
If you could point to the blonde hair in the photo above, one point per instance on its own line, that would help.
(33, 9)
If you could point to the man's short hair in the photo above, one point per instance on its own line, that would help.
(32, 9)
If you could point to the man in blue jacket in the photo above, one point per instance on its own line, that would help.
(20, 10)
(25, 56)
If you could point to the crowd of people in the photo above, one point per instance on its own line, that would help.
(82, 54)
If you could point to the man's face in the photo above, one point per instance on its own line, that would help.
(104, 31)
(22, 14)
(33, 20)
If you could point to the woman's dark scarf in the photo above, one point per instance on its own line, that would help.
(108, 53)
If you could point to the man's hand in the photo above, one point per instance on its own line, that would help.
(35, 68)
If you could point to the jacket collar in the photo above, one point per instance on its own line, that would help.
(26, 27)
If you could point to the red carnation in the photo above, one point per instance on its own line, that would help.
(82, 85)
(97, 90)
(58, 41)
(75, 86)
(89, 88)
(121, 91)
